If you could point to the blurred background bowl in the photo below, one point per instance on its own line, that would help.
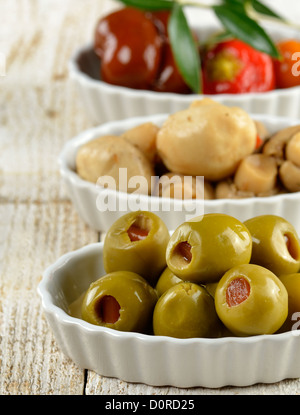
(104, 102)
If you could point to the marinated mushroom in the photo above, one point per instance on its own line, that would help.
(285, 147)
(275, 146)
(182, 187)
(227, 189)
(256, 173)
(144, 138)
(102, 159)
(292, 151)
(289, 174)
(207, 139)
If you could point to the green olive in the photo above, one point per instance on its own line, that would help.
(185, 310)
(137, 242)
(211, 288)
(202, 249)
(275, 245)
(121, 300)
(166, 281)
(251, 300)
(292, 285)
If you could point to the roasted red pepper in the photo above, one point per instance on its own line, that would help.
(234, 67)
(135, 51)
(287, 69)
(129, 47)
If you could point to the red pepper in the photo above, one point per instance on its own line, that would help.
(234, 67)
(259, 142)
(287, 68)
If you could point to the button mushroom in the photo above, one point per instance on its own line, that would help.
(285, 147)
(226, 189)
(182, 187)
(105, 156)
(256, 173)
(289, 174)
(144, 138)
(207, 139)
(292, 151)
(275, 146)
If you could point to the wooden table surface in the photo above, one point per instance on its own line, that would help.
(39, 111)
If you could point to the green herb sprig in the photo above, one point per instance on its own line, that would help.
(238, 17)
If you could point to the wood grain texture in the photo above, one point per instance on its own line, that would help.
(39, 112)
(33, 236)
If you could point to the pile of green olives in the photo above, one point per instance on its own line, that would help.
(215, 276)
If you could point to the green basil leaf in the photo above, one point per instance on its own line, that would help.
(246, 29)
(184, 48)
(150, 4)
(261, 8)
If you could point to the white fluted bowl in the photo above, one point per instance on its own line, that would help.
(156, 360)
(100, 208)
(104, 102)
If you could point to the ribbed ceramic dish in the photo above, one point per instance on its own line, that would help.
(92, 204)
(104, 102)
(156, 360)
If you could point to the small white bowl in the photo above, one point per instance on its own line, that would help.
(92, 204)
(157, 360)
(105, 102)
